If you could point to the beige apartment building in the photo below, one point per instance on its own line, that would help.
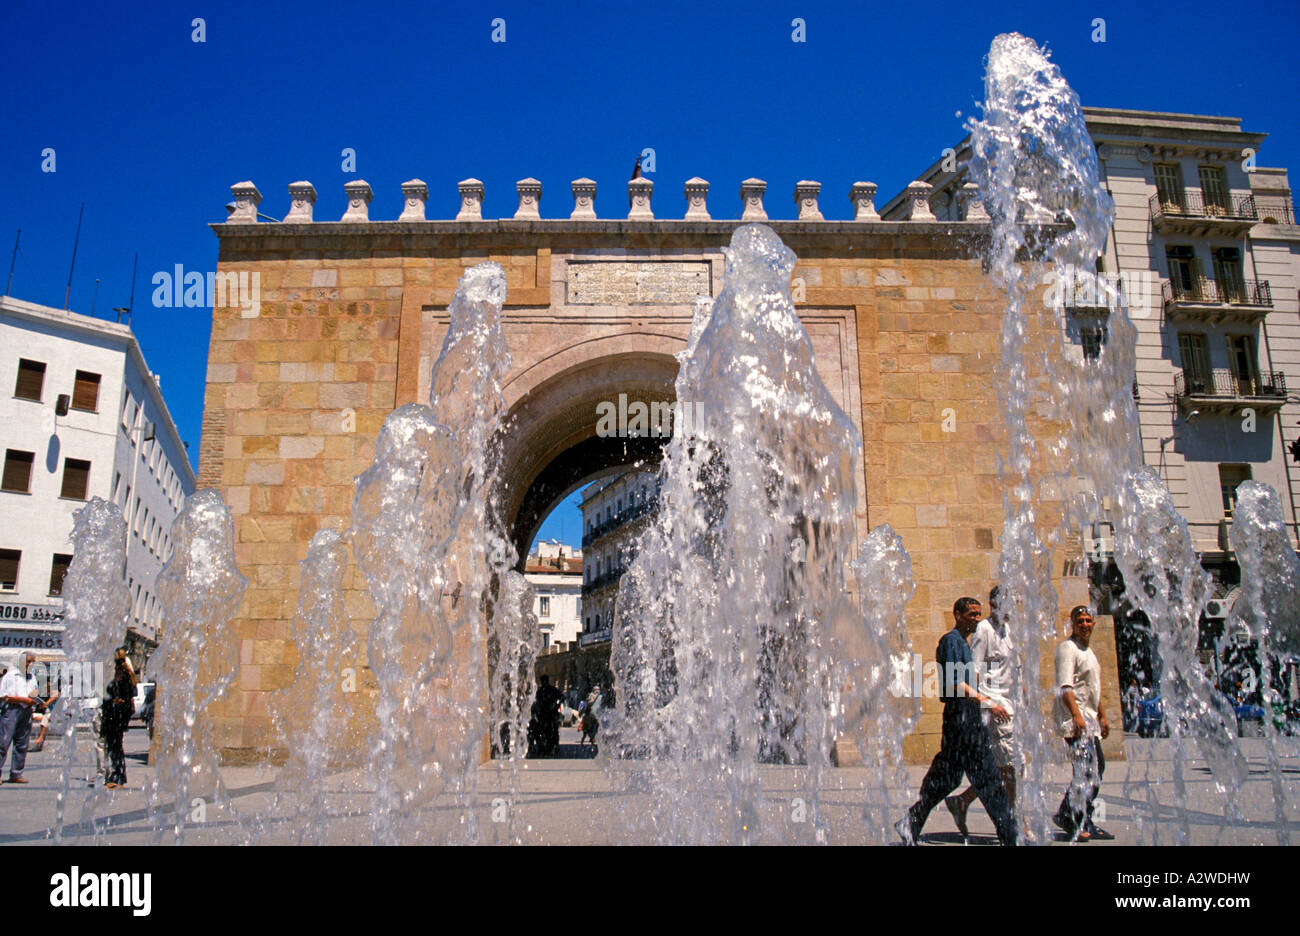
(1206, 246)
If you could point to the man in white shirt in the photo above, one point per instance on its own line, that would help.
(998, 666)
(19, 695)
(1081, 721)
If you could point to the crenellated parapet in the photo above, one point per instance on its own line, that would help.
(916, 207)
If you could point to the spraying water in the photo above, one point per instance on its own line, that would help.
(1269, 609)
(420, 535)
(721, 646)
(1153, 549)
(511, 654)
(879, 704)
(197, 660)
(1034, 162)
(96, 601)
(317, 710)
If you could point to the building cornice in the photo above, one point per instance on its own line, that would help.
(255, 240)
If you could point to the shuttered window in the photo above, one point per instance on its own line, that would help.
(1230, 477)
(1214, 188)
(1184, 272)
(58, 569)
(76, 478)
(1242, 360)
(9, 559)
(1093, 339)
(1228, 274)
(18, 471)
(1196, 361)
(31, 380)
(1169, 186)
(85, 392)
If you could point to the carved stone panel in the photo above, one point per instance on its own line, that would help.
(645, 283)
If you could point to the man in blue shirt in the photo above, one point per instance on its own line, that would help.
(965, 747)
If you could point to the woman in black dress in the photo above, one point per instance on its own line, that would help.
(119, 705)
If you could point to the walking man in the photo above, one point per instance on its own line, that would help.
(965, 747)
(998, 666)
(19, 695)
(1082, 723)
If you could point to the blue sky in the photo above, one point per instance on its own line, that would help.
(150, 128)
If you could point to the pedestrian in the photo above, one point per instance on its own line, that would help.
(589, 723)
(964, 747)
(118, 706)
(998, 667)
(19, 697)
(544, 726)
(1082, 723)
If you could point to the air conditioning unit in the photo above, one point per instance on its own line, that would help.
(1217, 609)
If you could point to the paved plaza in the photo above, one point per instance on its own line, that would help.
(576, 800)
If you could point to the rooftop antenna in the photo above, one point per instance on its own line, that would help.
(9, 285)
(126, 309)
(130, 305)
(94, 298)
(67, 295)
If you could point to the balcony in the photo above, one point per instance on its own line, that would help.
(603, 635)
(602, 581)
(1275, 210)
(1208, 300)
(1224, 391)
(618, 520)
(1193, 213)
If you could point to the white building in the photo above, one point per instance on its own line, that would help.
(1210, 239)
(116, 441)
(555, 572)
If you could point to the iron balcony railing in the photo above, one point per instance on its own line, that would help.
(606, 578)
(1275, 210)
(617, 520)
(1213, 292)
(1196, 205)
(603, 635)
(1228, 385)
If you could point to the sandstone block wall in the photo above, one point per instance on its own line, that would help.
(905, 327)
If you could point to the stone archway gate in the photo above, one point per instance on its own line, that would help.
(350, 315)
